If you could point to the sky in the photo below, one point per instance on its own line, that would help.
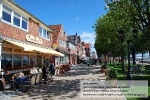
(76, 16)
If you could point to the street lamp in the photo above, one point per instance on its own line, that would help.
(121, 35)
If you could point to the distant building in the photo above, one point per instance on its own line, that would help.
(93, 55)
(72, 47)
(87, 48)
(59, 43)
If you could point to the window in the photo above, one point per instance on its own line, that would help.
(17, 60)
(24, 23)
(48, 35)
(43, 33)
(16, 20)
(6, 60)
(6, 14)
(25, 60)
(64, 44)
(32, 60)
(40, 31)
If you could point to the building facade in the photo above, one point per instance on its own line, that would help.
(87, 48)
(60, 40)
(72, 46)
(25, 40)
(79, 49)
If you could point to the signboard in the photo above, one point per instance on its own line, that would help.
(33, 39)
(55, 46)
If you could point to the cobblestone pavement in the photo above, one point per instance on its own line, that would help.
(62, 88)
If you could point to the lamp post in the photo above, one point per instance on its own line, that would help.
(121, 35)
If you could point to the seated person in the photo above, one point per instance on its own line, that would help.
(2, 82)
(33, 70)
(40, 69)
(9, 79)
(7, 76)
(20, 78)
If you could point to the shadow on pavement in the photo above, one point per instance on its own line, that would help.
(60, 89)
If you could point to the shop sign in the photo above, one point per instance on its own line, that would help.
(33, 39)
(55, 46)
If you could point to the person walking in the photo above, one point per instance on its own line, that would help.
(51, 69)
(44, 73)
(88, 62)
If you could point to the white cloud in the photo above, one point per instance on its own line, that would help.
(88, 38)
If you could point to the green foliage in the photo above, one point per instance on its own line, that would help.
(112, 74)
(104, 66)
(126, 15)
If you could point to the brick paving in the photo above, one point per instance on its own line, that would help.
(62, 88)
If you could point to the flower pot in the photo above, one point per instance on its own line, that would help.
(106, 71)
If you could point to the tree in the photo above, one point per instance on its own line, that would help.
(137, 12)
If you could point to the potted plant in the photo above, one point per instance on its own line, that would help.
(103, 67)
(113, 75)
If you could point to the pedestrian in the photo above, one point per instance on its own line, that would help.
(51, 69)
(88, 63)
(44, 73)
(57, 69)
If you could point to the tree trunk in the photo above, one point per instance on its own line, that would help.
(106, 59)
(110, 59)
(122, 62)
(114, 62)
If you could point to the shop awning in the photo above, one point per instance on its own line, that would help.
(29, 47)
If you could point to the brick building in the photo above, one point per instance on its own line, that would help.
(60, 39)
(87, 48)
(79, 49)
(25, 40)
(72, 46)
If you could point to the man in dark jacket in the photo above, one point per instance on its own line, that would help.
(9, 79)
(44, 73)
(7, 76)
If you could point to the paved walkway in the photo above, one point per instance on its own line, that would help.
(62, 88)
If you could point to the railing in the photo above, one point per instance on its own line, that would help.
(20, 70)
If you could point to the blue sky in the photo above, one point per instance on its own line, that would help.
(75, 15)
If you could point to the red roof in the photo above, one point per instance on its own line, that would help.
(56, 30)
(87, 45)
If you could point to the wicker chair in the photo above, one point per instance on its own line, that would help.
(32, 81)
(39, 78)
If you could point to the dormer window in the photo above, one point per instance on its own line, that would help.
(44, 33)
